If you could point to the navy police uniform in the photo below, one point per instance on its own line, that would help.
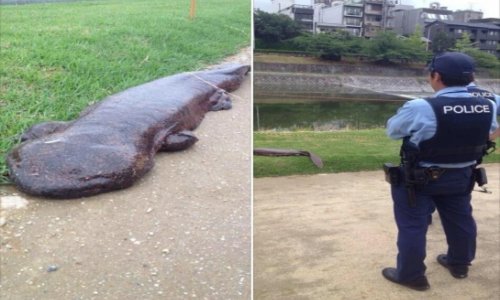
(448, 134)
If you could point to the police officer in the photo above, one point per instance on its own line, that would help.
(444, 138)
(476, 91)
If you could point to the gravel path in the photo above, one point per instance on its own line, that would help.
(329, 237)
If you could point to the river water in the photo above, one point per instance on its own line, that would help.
(322, 111)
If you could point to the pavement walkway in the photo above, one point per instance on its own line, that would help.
(329, 236)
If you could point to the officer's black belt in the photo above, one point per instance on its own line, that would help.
(422, 175)
(433, 173)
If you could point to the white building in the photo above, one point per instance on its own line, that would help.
(328, 17)
(358, 17)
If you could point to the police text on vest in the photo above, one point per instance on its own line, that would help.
(482, 94)
(466, 109)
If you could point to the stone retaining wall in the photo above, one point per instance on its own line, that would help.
(311, 82)
(390, 80)
(339, 69)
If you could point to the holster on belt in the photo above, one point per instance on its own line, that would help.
(480, 176)
(392, 174)
(413, 176)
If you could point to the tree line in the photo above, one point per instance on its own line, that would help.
(280, 32)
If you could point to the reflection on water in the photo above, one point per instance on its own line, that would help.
(323, 111)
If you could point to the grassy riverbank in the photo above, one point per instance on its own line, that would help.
(341, 151)
(58, 58)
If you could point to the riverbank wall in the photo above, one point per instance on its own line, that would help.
(350, 79)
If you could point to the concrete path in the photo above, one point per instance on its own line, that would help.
(182, 232)
(329, 237)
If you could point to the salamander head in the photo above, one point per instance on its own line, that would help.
(227, 77)
(62, 168)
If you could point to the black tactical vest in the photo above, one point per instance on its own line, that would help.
(462, 132)
(477, 92)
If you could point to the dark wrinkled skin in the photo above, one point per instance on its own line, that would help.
(113, 143)
(289, 152)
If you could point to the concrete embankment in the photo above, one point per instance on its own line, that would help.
(350, 79)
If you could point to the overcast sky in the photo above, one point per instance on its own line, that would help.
(490, 8)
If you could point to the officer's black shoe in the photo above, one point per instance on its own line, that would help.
(419, 284)
(457, 271)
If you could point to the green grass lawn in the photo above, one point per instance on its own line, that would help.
(341, 151)
(58, 58)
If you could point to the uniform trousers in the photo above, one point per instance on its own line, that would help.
(451, 196)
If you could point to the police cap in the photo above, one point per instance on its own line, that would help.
(453, 64)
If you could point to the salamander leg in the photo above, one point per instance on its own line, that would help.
(220, 100)
(178, 141)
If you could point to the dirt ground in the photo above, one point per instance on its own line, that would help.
(182, 231)
(330, 236)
